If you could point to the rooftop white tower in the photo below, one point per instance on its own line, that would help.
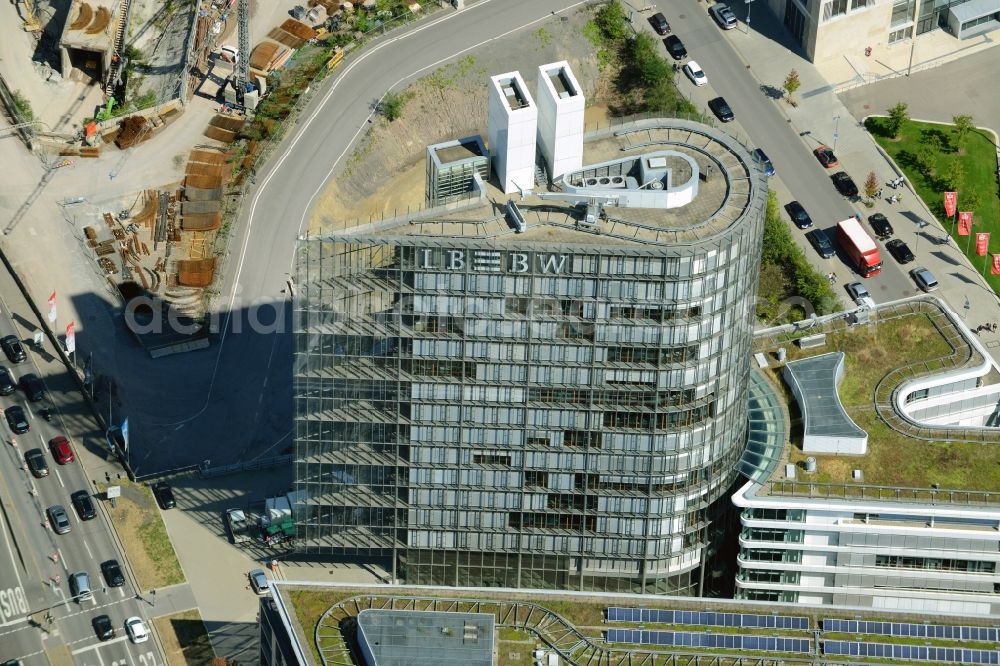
(513, 122)
(560, 118)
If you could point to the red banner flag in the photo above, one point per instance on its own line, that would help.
(52, 308)
(995, 268)
(982, 244)
(964, 224)
(71, 337)
(950, 203)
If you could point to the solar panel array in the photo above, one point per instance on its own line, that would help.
(701, 640)
(705, 618)
(945, 631)
(912, 653)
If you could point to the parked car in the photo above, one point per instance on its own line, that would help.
(900, 251)
(764, 161)
(826, 157)
(103, 627)
(7, 385)
(798, 215)
(112, 573)
(136, 630)
(659, 23)
(721, 109)
(164, 495)
(61, 451)
(83, 504)
(694, 72)
(13, 349)
(723, 15)
(229, 53)
(861, 295)
(16, 419)
(821, 241)
(881, 226)
(924, 279)
(258, 581)
(675, 47)
(33, 387)
(58, 519)
(36, 463)
(844, 184)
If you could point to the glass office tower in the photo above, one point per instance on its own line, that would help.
(555, 402)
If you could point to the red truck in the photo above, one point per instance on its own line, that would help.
(860, 247)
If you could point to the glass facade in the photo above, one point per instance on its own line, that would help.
(521, 413)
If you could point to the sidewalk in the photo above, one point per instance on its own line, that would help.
(820, 117)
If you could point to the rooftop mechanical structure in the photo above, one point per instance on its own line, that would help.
(547, 395)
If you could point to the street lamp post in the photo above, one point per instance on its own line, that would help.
(748, 2)
(836, 131)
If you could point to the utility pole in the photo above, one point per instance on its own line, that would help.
(836, 131)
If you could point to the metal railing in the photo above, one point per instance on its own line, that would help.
(856, 491)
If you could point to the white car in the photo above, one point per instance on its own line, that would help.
(136, 630)
(861, 295)
(693, 72)
(229, 53)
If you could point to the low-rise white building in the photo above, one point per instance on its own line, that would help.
(831, 537)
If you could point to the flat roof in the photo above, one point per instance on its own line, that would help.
(459, 150)
(974, 9)
(910, 338)
(732, 189)
(427, 638)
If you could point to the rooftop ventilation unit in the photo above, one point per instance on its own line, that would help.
(514, 217)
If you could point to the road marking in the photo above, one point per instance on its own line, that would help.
(40, 438)
(59, 476)
(62, 559)
(89, 554)
(10, 553)
(99, 645)
(28, 409)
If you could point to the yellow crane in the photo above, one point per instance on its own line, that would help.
(31, 23)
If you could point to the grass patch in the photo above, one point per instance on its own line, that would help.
(185, 641)
(893, 459)
(508, 634)
(926, 153)
(144, 537)
(309, 608)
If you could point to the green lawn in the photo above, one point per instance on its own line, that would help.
(980, 162)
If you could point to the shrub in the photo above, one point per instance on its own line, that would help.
(392, 105)
(898, 115)
(612, 21)
(963, 126)
(650, 67)
(23, 106)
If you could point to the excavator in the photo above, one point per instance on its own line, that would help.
(28, 18)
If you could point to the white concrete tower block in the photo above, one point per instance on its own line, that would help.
(560, 118)
(513, 123)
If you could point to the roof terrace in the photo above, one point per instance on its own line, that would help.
(904, 461)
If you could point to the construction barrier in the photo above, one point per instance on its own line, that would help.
(335, 60)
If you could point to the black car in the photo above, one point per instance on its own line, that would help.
(721, 109)
(675, 47)
(103, 628)
(819, 240)
(112, 573)
(844, 184)
(798, 214)
(16, 419)
(881, 226)
(13, 349)
(36, 463)
(659, 23)
(7, 385)
(83, 504)
(164, 495)
(33, 387)
(899, 251)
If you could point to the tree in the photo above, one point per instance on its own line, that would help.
(971, 199)
(871, 185)
(898, 115)
(650, 67)
(953, 176)
(924, 159)
(611, 20)
(791, 84)
(963, 127)
(392, 106)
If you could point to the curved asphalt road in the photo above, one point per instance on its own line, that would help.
(246, 406)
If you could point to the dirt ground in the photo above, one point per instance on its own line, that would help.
(144, 537)
(185, 641)
(450, 103)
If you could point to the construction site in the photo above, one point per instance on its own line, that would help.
(111, 77)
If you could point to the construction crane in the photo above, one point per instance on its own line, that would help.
(241, 77)
(31, 23)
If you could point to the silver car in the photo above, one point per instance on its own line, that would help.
(861, 295)
(59, 519)
(258, 581)
(924, 279)
(723, 15)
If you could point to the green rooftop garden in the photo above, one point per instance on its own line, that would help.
(893, 459)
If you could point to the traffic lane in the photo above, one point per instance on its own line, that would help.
(118, 651)
(76, 627)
